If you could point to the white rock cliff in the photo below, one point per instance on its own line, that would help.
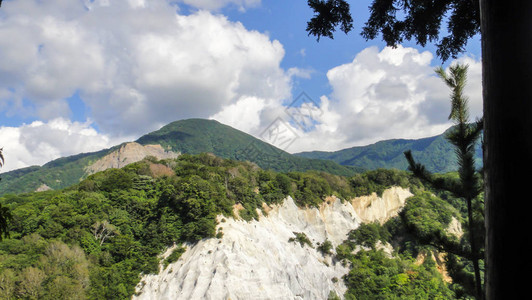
(129, 153)
(256, 260)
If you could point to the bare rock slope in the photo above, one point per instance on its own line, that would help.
(129, 153)
(257, 260)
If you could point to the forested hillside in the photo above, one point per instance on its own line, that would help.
(195, 136)
(94, 239)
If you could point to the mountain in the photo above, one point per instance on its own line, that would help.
(191, 136)
(436, 153)
(194, 136)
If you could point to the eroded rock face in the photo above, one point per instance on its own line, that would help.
(373, 208)
(127, 154)
(256, 260)
(43, 188)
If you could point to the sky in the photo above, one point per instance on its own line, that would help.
(83, 75)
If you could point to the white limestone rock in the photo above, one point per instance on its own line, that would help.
(255, 260)
(128, 153)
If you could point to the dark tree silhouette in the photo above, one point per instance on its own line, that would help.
(506, 28)
(329, 14)
(463, 136)
(422, 22)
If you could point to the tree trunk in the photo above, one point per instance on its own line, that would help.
(506, 28)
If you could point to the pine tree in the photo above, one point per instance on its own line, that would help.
(463, 136)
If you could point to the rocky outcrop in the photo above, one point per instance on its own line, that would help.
(373, 208)
(257, 260)
(129, 153)
(43, 188)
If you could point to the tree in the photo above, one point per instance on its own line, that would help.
(463, 136)
(5, 215)
(30, 286)
(506, 28)
(422, 22)
(507, 93)
(7, 284)
(103, 230)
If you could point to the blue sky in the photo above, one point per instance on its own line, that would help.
(79, 76)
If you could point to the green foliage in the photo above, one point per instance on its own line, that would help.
(301, 238)
(5, 218)
(57, 174)
(427, 215)
(467, 186)
(374, 275)
(119, 221)
(421, 23)
(195, 136)
(377, 181)
(368, 234)
(324, 24)
(325, 248)
(333, 296)
(36, 268)
(174, 256)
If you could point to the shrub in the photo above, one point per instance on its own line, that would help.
(302, 239)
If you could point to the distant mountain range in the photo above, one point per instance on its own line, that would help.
(436, 153)
(194, 136)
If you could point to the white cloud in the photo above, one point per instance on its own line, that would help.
(243, 115)
(39, 142)
(217, 4)
(137, 65)
(381, 94)
(392, 93)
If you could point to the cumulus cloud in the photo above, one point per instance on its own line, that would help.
(137, 65)
(386, 94)
(382, 94)
(40, 142)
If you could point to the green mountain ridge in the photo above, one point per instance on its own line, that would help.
(191, 136)
(194, 136)
(435, 153)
